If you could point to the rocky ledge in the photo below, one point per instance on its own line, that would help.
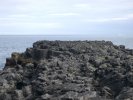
(69, 70)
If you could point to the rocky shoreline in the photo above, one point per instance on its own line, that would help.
(69, 70)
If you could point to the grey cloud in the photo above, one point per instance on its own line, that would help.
(65, 15)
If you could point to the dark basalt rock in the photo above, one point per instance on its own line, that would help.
(39, 54)
(69, 70)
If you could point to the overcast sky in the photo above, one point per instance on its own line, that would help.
(67, 17)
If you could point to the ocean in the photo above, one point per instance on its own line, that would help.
(9, 44)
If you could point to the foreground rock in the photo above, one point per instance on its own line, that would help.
(69, 70)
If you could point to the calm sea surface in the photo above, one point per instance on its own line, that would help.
(9, 44)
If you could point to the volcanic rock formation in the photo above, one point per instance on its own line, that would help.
(69, 70)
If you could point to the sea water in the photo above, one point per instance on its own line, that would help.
(9, 44)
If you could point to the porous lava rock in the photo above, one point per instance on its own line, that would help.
(69, 70)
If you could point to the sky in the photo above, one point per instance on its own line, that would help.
(108, 18)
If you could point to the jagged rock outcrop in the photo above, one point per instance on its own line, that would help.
(69, 70)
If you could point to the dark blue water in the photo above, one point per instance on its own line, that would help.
(9, 44)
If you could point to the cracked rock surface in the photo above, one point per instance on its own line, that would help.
(69, 70)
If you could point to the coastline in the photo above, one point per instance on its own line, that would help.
(24, 41)
(62, 70)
